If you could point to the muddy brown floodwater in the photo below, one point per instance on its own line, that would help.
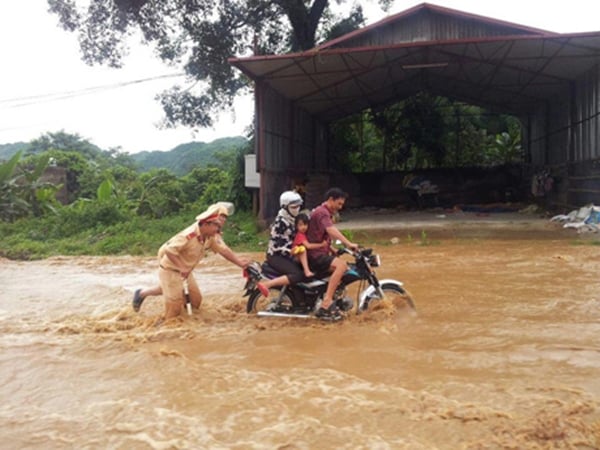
(504, 353)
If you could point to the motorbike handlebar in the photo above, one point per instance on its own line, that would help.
(343, 250)
(252, 271)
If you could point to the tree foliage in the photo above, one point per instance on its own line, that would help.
(23, 192)
(84, 162)
(423, 132)
(183, 158)
(104, 189)
(64, 141)
(12, 205)
(201, 35)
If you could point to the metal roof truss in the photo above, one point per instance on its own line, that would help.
(506, 74)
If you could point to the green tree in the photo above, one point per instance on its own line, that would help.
(202, 34)
(40, 195)
(66, 142)
(75, 165)
(161, 194)
(358, 143)
(84, 162)
(506, 148)
(424, 131)
(206, 185)
(238, 194)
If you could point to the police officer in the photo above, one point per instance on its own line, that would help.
(179, 255)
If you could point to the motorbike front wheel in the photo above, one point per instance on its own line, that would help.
(276, 301)
(397, 295)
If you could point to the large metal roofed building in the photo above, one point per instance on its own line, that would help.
(550, 81)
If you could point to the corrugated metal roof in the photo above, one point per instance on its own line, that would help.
(510, 68)
(427, 22)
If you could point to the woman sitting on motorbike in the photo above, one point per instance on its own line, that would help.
(279, 251)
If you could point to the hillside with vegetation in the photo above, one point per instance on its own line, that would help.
(183, 158)
(180, 160)
(108, 205)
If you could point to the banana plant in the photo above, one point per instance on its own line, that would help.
(40, 194)
(23, 192)
(11, 204)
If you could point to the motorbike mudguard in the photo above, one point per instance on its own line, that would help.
(370, 291)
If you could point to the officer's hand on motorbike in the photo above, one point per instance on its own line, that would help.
(245, 261)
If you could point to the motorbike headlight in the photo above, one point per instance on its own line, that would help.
(374, 261)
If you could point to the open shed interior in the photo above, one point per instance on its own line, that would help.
(549, 81)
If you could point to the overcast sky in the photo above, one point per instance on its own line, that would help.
(45, 87)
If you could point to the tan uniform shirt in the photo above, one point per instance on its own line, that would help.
(190, 246)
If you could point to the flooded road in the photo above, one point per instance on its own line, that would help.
(504, 353)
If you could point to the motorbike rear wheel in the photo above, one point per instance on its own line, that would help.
(395, 294)
(257, 302)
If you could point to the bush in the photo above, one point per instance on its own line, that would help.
(242, 232)
(86, 231)
(83, 216)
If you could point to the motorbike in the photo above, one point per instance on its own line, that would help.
(303, 299)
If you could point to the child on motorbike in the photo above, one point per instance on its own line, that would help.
(301, 244)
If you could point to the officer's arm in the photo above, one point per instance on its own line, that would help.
(230, 256)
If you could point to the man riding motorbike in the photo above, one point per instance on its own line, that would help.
(321, 259)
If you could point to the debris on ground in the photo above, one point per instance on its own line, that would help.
(585, 219)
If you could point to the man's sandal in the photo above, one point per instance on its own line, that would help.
(331, 314)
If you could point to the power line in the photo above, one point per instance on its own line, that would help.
(19, 102)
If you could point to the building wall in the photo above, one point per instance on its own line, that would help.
(585, 122)
(564, 140)
(291, 134)
(290, 145)
(549, 141)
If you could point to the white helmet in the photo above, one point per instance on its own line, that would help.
(289, 198)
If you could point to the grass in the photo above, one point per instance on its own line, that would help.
(424, 239)
(586, 242)
(38, 238)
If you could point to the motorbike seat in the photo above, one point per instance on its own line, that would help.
(270, 272)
